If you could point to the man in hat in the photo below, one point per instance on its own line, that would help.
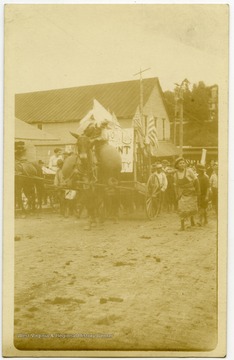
(169, 199)
(186, 191)
(214, 187)
(165, 165)
(209, 170)
(157, 182)
(204, 193)
(19, 150)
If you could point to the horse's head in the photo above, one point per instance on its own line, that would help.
(83, 147)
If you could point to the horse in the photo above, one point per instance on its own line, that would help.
(26, 184)
(97, 165)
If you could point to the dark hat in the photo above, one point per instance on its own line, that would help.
(177, 161)
(166, 162)
(156, 165)
(56, 150)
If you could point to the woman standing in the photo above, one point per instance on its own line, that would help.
(186, 190)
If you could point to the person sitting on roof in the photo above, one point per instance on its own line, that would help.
(97, 132)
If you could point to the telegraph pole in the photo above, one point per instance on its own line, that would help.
(175, 113)
(181, 112)
(179, 105)
(142, 122)
(141, 93)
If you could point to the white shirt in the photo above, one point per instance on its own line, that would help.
(214, 180)
(53, 162)
(162, 180)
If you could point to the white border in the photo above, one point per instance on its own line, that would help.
(230, 336)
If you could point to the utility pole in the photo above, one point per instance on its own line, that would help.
(179, 105)
(141, 94)
(141, 106)
(176, 94)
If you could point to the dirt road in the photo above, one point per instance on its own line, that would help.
(134, 285)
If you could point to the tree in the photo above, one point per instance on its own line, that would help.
(197, 130)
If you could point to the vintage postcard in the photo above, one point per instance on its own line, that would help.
(115, 180)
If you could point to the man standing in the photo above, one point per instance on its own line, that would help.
(165, 165)
(54, 159)
(214, 188)
(157, 182)
(59, 181)
(209, 169)
(204, 194)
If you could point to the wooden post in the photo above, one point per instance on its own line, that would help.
(181, 125)
(134, 156)
(175, 119)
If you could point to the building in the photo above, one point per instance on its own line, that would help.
(38, 144)
(59, 111)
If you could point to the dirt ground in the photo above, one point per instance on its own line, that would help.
(135, 285)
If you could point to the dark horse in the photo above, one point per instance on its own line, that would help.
(27, 184)
(97, 169)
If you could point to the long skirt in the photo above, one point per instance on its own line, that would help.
(187, 206)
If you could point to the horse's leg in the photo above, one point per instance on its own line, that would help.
(18, 198)
(89, 204)
(100, 206)
(33, 197)
(115, 206)
(39, 189)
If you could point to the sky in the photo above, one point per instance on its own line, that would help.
(58, 46)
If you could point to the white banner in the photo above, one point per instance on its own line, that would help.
(203, 157)
(123, 141)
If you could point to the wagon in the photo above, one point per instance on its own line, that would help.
(152, 204)
(133, 185)
(136, 171)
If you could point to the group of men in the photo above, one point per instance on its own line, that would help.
(164, 177)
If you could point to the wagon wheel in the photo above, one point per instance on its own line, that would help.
(152, 206)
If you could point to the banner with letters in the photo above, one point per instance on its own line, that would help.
(123, 141)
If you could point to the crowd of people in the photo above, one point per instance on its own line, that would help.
(185, 188)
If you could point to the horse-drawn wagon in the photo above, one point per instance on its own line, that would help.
(110, 169)
(112, 163)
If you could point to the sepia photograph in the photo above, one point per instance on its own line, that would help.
(115, 180)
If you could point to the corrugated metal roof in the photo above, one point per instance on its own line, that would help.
(72, 104)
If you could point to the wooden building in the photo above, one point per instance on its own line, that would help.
(38, 144)
(59, 111)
